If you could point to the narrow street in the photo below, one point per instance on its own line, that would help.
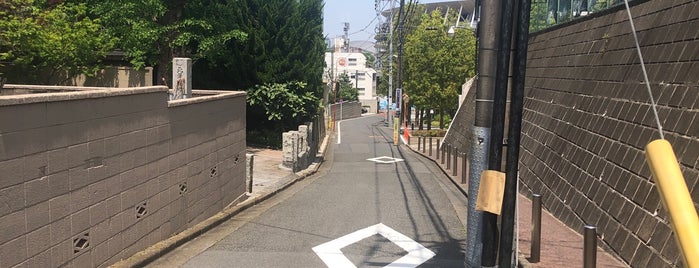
(372, 204)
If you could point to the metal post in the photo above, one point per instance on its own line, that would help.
(443, 149)
(536, 229)
(430, 154)
(463, 168)
(250, 163)
(448, 156)
(590, 249)
(456, 161)
(418, 142)
(423, 144)
(438, 150)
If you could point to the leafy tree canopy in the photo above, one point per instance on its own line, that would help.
(345, 91)
(152, 32)
(283, 101)
(436, 63)
(37, 38)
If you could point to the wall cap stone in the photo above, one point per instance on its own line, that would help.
(64, 93)
(206, 96)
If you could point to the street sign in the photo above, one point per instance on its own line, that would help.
(398, 98)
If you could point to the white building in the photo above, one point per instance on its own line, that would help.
(354, 64)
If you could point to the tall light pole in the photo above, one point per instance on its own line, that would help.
(401, 19)
(389, 119)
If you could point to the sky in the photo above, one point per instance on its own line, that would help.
(359, 13)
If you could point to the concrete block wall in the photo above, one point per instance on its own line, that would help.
(588, 118)
(92, 176)
(347, 110)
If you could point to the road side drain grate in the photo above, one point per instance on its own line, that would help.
(81, 243)
(141, 210)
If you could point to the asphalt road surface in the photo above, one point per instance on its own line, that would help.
(398, 210)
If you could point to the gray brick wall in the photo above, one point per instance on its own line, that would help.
(588, 118)
(92, 177)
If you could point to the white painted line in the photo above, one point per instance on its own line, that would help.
(385, 160)
(331, 252)
(339, 132)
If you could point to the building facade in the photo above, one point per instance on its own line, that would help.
(355, 65)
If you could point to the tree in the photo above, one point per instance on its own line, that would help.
(437, 64)
(410, 22)
(283, 101)
(44, 42)
(345, 91)
(285, 44)
(152, 32)
(539, 18)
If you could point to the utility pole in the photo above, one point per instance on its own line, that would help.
(401, 19)
(487, 53)
(514, 134)
(389, 119)
(490, 220)
(345, 39)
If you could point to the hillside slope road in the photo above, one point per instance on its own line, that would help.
(372, 204)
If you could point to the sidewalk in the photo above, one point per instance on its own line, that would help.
(560, 245)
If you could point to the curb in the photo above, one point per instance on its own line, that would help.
(151, 253)
(446, 173)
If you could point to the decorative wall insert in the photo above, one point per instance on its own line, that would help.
(141, 210)
(81, 243)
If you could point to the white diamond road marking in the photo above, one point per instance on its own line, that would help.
(331, 254)
(385, 160)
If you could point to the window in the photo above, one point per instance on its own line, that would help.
(358, 76)
(546, 13)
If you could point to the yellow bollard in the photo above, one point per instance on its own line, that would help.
(676, 199)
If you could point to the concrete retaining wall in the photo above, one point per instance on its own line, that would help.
(92, 176)
(460, 129)
(345, 110)
(588, 118)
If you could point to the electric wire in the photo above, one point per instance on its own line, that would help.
(645, 73)
(369, 24)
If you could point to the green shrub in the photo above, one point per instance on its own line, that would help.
(430, 133)
(269, 138)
